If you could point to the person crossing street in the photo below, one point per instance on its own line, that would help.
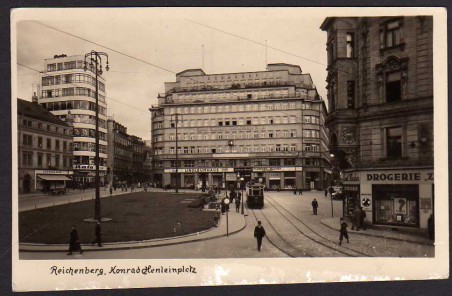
(315, 205)
(259, 233)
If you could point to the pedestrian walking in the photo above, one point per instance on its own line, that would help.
(356, 219)
(295, 191)
(237, 204)
(259, 233)
(300, 192)
(343, 231)
(74, 243)
(326, 192)
(98, 234)
(111, 191)
(362, 217)
(315, 205)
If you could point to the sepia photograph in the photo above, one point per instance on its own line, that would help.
(224, 146)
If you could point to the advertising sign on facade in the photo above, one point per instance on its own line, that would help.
(201, 170)
(88, 167)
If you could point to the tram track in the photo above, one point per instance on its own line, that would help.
(315, 236)
(287, 247)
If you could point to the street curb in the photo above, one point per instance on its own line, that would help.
(381, 236)
(137, 242)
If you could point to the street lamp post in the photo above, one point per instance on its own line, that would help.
(96, 58)
(243, 197)
(176, 115)
(226, 202)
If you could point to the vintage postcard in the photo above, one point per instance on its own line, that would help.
(164, 147)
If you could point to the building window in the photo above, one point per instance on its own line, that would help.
(40, 157)
(57, 144)
(350, 45)
(27, 158)
(393, 87)
(49, 144)
(27, 140)
(350, 94)
(391, 34)
(394, 142)
(57, 160)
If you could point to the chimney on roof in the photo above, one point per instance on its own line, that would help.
(34, 98)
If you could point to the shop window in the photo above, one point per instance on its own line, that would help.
(394, 142)
(396, 204)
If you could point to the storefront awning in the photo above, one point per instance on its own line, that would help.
(54, 177)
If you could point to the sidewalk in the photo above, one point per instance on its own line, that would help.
(381, 232)
(237, 222)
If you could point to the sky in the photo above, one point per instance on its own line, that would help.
(168, 40)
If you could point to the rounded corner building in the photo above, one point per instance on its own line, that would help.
(223, 130)
(69, 92)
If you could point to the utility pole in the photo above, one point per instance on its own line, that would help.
(95, 59)
(176, 116)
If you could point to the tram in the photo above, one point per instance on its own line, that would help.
(254, 195)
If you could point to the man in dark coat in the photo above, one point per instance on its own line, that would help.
(343, 231)
(259, 233)
(362, 216)
(98, 234)
(356, 219)
(237, 204)
(315, 205)
(74, 243)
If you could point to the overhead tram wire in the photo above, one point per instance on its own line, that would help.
(356, 75)
(113, 50)
(114, 100)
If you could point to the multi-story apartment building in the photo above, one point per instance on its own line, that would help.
(380, 96)
(66, 87)
(125, 154)
(44, 149)
(267, 126)
(147, 164)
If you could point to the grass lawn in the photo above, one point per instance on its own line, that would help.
(136, 216)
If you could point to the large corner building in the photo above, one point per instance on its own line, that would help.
(380, 97)
(69, 90)
(266, 126)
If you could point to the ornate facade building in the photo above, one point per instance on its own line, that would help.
(68, 89)
(44, 149)
(266, 126)
(380, 99)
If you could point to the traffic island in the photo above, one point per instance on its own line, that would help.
(137, 216)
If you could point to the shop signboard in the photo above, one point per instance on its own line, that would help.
(201, 170)
(88, 167)
(277, 169)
